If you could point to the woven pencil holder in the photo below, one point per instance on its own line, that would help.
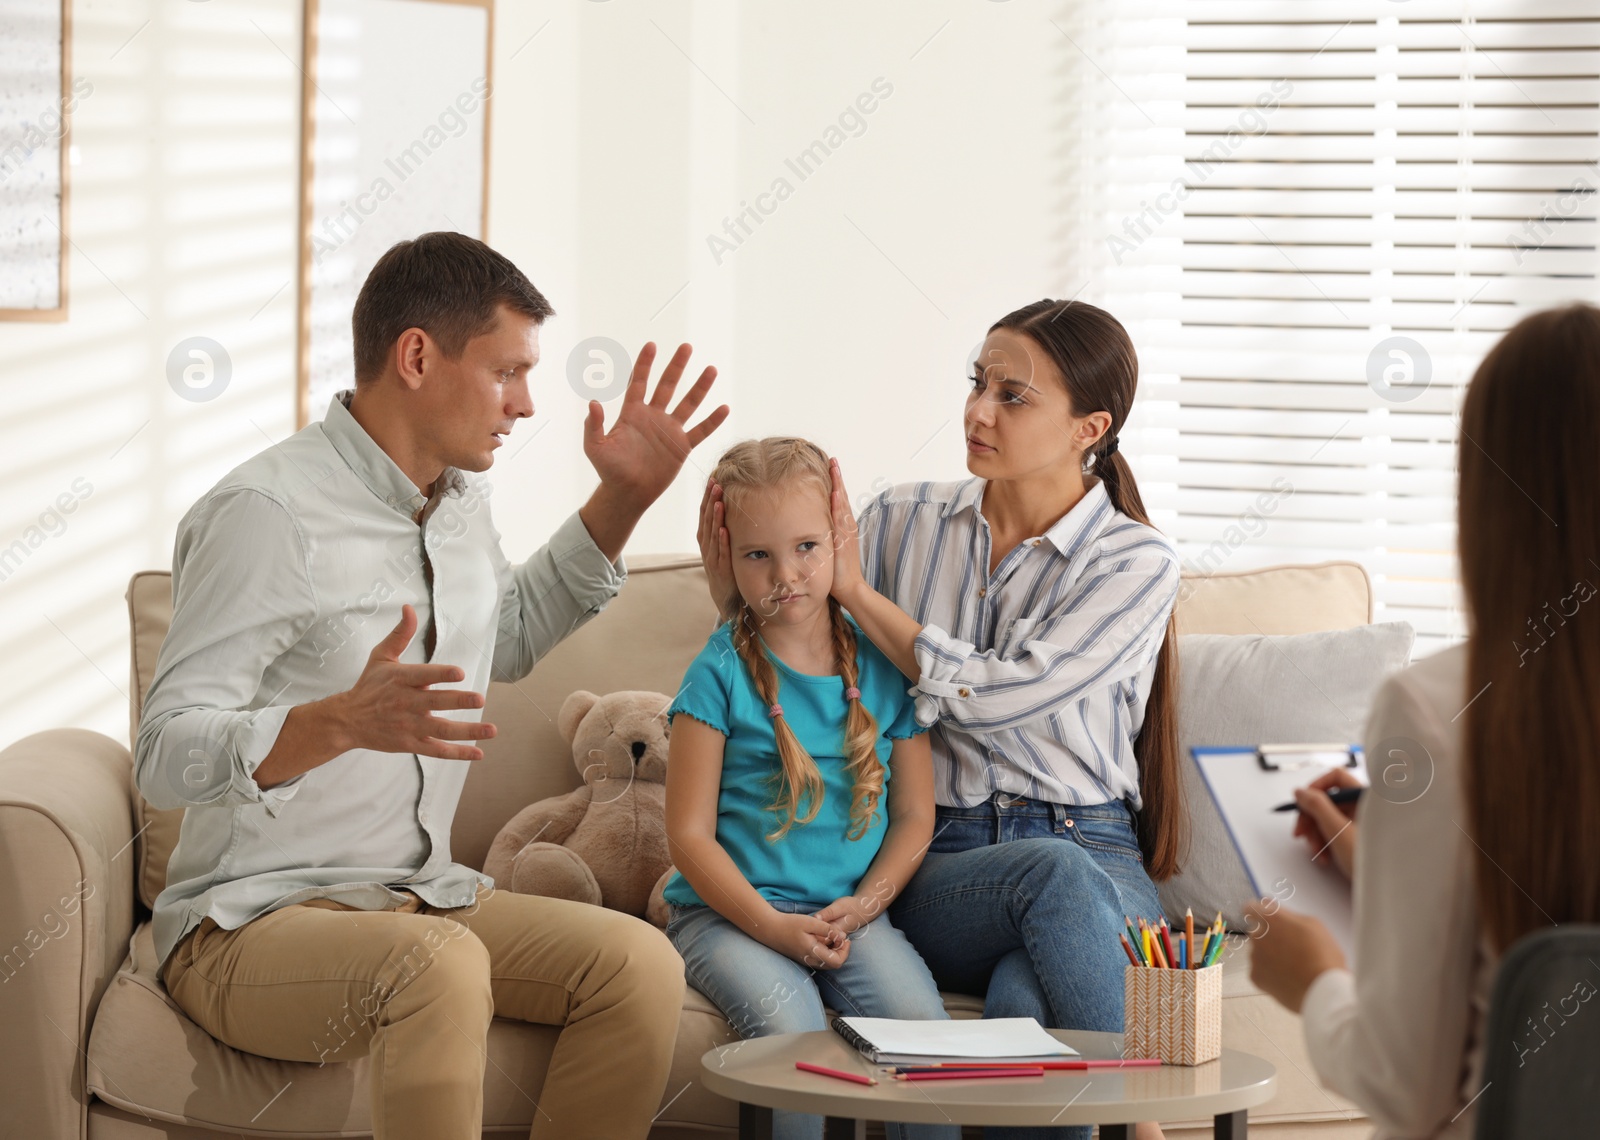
(1172, 1014)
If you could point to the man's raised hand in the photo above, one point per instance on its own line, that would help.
(390, 708)
(645, 449)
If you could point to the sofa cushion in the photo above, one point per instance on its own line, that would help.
(155, 829)
(1254, 689)
(147, 1057)
(644, 639)
(1276, 599)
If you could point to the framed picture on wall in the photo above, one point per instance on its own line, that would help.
(394, 143)
(37, 97)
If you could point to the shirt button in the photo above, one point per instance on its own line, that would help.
(983, 591)
(964, 692)
(1036, 542)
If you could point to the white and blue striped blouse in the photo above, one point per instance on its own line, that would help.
(1036, 675)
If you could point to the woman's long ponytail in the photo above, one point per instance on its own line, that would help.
(1095, 357)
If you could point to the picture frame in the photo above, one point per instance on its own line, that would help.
(37, 98)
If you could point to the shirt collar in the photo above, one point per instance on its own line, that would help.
(967, 494)
(1085, 520)
(373, 464)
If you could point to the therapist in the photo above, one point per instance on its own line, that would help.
(1464, 846)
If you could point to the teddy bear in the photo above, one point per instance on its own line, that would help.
(606, 842)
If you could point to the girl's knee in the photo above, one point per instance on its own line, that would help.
(917, 1005)
(783, 1006)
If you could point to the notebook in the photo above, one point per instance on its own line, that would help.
(888, 1041)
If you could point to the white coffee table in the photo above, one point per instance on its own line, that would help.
(760, 1075)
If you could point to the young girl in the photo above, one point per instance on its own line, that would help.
(800, 787)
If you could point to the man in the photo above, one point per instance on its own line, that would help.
(312, 911)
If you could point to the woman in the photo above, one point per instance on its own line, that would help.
(1501, 840)
(1032, 606)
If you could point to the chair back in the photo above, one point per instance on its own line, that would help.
(1541, 1072)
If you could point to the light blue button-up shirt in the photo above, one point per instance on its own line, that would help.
(284, 577)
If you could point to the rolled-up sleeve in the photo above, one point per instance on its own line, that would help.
(241, 597)
(1104, 630)
(566, 582)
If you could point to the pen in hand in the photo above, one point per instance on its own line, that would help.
(1337, 795)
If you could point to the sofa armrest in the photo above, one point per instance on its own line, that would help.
(66, 916)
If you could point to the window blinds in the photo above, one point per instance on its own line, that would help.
(1315, 218)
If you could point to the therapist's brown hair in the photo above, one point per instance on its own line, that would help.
(449, 285)
(1095, 357)
(1529, 532)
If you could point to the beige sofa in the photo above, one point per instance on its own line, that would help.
(91, 1045)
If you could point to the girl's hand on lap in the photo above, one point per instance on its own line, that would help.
(849, 914)
(847, 577)
(712, 535)
(807, 939)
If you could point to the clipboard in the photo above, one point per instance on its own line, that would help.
(1246, 783)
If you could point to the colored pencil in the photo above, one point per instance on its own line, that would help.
(1166, 945)
(1128, 950)
(1188, 930)
(827, 1072)
(1160, 955)
(1183, 952)
(1109, 1063)
(1216, 951)
(970, 1074)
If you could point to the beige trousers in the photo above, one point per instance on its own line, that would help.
(415, 987)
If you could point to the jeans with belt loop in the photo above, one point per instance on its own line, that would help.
(1021, 900)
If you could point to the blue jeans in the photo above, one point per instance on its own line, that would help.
(763, 992)
(1021, 901)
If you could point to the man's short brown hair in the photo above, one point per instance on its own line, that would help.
(446, 284)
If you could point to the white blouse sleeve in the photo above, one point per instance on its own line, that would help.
(1392, 1036)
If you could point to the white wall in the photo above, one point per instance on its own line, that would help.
(624, 132)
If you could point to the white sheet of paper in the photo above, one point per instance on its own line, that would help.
(1279, 865)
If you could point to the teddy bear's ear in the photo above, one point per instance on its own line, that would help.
(573, 710)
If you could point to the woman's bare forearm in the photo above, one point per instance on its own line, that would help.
(312, 734)
(888, 626)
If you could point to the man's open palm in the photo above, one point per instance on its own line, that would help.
(646, 447)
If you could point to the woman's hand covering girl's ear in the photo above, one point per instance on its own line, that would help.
(715, 553)
(847, 577)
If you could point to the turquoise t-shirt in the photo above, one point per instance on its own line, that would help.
(813, 863)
